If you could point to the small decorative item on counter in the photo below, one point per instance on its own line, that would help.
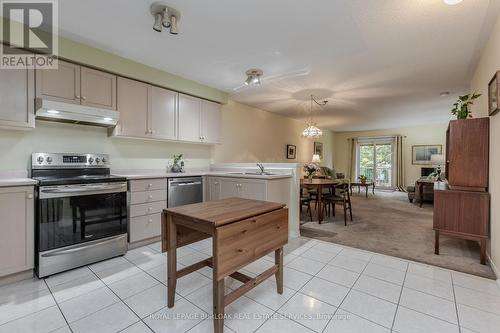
(310, 169)
(177, 167)
(362, 179)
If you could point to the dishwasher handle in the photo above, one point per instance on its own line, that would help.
(185, 184)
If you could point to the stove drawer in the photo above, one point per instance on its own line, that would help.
(147, 208)
(148, 196)
(144, 227)
(148, 184)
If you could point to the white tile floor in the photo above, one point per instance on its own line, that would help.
(328, 288)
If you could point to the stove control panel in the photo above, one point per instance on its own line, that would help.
(69, 160)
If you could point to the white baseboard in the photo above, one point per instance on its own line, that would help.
(494, 268)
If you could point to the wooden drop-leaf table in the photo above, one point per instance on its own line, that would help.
(242, 231)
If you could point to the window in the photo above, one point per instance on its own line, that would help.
(375, 161)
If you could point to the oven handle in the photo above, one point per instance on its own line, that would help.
(76, 190)
(78, 247)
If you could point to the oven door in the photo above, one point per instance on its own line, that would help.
(72, 214)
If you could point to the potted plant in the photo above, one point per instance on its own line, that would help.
(461, 106)
(176, 167)
(310, 169)
(362, 179)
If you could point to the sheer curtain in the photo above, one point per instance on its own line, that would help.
(353, 146)
(399, 164)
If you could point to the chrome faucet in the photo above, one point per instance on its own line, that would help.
(261, 167)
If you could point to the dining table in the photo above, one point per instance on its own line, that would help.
(319, 184)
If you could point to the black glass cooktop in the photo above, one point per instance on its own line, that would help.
(72, 176)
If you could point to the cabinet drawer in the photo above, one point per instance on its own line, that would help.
(243, 242)
(148, 196)
(147, 208)
(148, 184)
(144, 227)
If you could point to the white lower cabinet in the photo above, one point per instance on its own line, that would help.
(147, 199)
(17, 224)
(277, 190)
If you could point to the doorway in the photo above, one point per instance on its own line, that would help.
(375, 160)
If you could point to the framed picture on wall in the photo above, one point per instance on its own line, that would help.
(291, 152)
(318, 149)
(494, 95)
(422, 153)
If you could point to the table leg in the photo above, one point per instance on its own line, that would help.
(421, 190)
(320, 204)
(217, 293)
(359, 188)
(483, 252)
(436, 243)
(171, 260)
(278, 260)
(373, 188)
(366, 190)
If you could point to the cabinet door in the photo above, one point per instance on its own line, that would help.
(98, 88)
(132, 103)
(210, 122)
(229, 188)
(61, 84)
(163, 113)
(16, 238)
(189, 118)
(17, 96)
(468, 154)
(253, 189)
(214, 188)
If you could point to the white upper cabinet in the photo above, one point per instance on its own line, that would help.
(199, 120)
(98, 89)
(61, 84)
(17, 96)
(77, 84)
(189, 118)
(210, 122)
(163, 114)
(133, 105)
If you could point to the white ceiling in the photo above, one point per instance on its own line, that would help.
(381, 63)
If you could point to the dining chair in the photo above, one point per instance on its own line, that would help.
(342, 198)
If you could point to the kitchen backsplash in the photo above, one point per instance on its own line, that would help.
(124, 153)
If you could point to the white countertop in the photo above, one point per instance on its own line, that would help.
(15, 178)
(148, 174)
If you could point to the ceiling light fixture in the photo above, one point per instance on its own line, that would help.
(312, 131)
(253, 76)
(452, 2)
(165, 17)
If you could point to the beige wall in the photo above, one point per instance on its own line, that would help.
(251, 135)
(431, 134)
(16, 147)
(488, 65)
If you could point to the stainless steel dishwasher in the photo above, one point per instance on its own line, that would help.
(184, 191)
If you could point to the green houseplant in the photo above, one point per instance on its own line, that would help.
(461, 106)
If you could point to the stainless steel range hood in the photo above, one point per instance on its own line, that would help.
(74, 113)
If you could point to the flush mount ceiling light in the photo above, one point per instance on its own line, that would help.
(253, 76)
(165, 17)
(452, 2)
(312, 131)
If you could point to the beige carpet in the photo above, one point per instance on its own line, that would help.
(387, 223)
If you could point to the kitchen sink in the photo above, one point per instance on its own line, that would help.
(255, 173)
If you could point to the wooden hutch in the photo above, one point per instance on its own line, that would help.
(462, 205)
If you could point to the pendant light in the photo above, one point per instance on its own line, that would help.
(312, 131)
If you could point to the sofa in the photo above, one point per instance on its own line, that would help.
(414, 193)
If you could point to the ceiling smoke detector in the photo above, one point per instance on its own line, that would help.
(253, 76)
(165, 17)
